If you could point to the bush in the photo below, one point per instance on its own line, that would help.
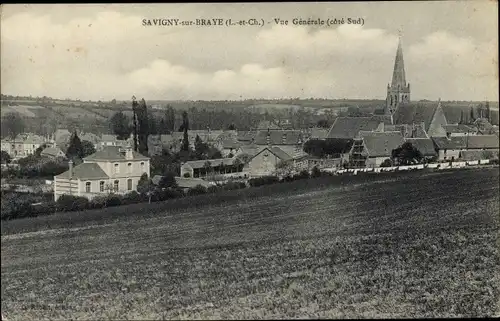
(315, 172)
(213, 189)
(304, 174)
(264, 180)
(386, 163)
(132, 198)
(197, 190)
(67, 203)
(170, 193)
(114, 200)
(233, 185)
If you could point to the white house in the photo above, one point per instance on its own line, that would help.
(110, 170)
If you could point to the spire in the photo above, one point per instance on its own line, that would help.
(398, 75)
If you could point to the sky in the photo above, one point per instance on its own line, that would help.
(104, 52)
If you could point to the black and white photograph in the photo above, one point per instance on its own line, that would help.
(279, 160)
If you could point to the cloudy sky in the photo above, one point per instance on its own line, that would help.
(101, 52)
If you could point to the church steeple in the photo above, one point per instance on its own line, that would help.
(398, 91)
(398, 75)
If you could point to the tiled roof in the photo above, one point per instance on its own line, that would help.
(51, 151)
(349, 127)
(246, 136)
(85, 171)
(482, 141)
(213, 162)
(415, 113)
(249, 149)
(108, 138)
(266, 124)
(278, 137)
(276, 151)
(230, 144)
(318, 133)
(113, 153)
(473, 154)
(453, 142)
(380, 144)
(459, 128)
(383, 119)
(424, 145)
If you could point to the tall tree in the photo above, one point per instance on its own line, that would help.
(143, 127)
(135, 123)
(12, 125)
(488, 112)
(120, 125)
(87, 148)
(75, 149)
(185, 128)
(170, 119)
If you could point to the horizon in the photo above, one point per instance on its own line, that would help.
(102, 52)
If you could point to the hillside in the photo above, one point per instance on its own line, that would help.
(404, 245)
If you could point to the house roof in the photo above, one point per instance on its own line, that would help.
(415, 113)
(184, 182)
(266, 124)
(249, 149)
(349, 127)
(246, 136)
(318, 133)
(52, 151)
(112, 153)
(213, 162)
(93, 138)
(85, 171)
(33, 139)
(459, 128)
(386, 119)
(276, 151)
(108, 138)
(61, 135)
(278, 137)
(230, 144)
(380, 144)
(453, 142)
(424, 145)
(472, 154)
(482, 141)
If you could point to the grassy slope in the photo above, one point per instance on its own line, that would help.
(416, 247)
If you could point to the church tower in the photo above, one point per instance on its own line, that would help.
(398, 91)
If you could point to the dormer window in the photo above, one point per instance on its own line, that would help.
(129, 166)
(117, 168)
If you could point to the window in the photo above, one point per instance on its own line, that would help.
(129, 184)
(129, 166)
(87, 187)
(116, 185)
(101, 186)
(117, 168)
(142, 166)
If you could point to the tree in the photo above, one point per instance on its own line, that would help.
(207, 167)
(185, 127)
(135, 123)
(143, 127)
(75, 149)
(488, 111)
(87, 148)
(145, 186)
(5, 157)
(12, 125)
(120, 126)
(244, 158)
(170, 119)
(406, 154)
(231, 127)
(168, 180)
(39, 150)
(200, 147)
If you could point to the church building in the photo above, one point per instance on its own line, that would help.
(398, 91)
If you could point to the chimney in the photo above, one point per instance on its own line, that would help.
(128, 153)
(70, 163)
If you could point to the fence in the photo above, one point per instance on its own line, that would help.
(457, 164)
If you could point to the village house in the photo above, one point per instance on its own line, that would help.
(110, 170)
(289, 141)
(23, 145)
(110, 140)
(266, 161)
(52, 152)
(460, 130)
(424, 146)
(459, 147)
(372, 148)
(229, 147)
(207, 167)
